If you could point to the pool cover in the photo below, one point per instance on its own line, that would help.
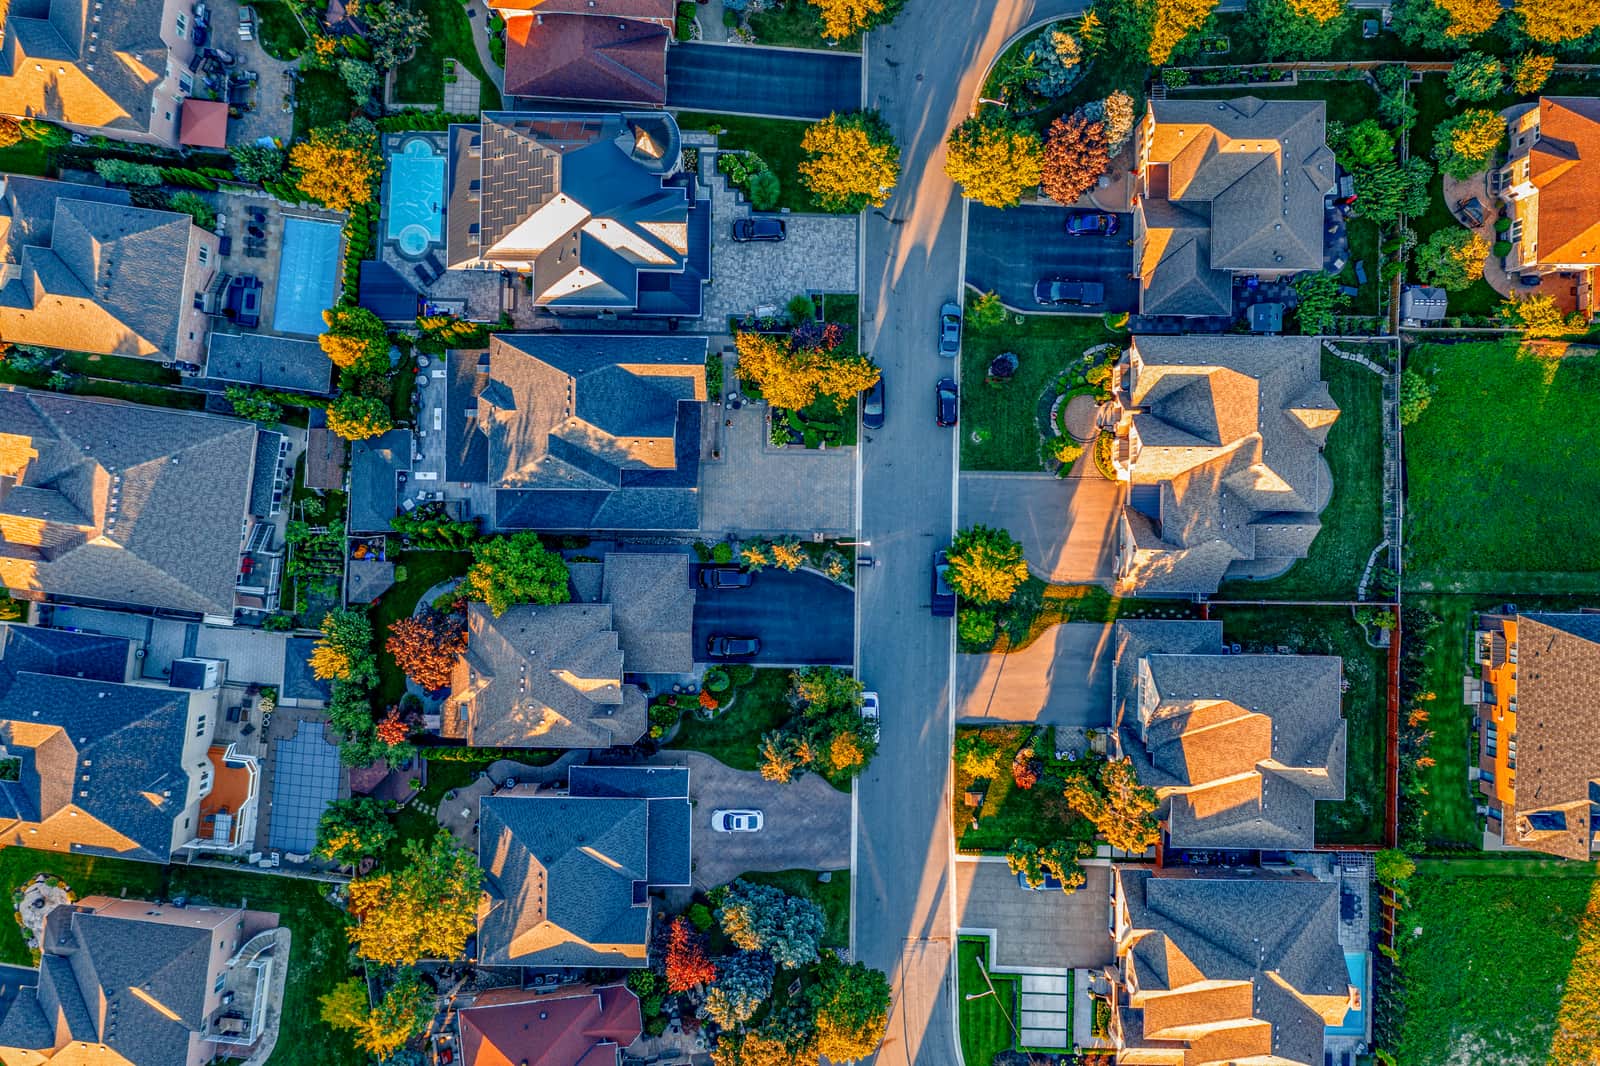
(305, 779)
(308, 271)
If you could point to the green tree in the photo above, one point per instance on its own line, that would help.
(1452, 258)
(353, 829)
(1476, 76)
(425, 910)
(393, 31)
(1318, 300)
(1053, 60)
(191, 204)
(1416, 393)
(403, 1012)
(1538, 316)
(255, 405)
(994, 158)
(1296, 29)
(1392, 867)
(1385, 190)
(517, 568)
(1466, 143)
(344, 651)
(1396, 108)
(122, 172)
(852, 1009)
(985, 311)
(1059, 858)
(359, 76)
(852, 161)
(1529, 72)
(986, 565)
(1365, 144)
(767, 919)
(744, 981)
(359, 417)
(1122, 810)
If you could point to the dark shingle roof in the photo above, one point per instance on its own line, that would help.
(374, 490)
(271, 362)
(60, 652)
(653, 603)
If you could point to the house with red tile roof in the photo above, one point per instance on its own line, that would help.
(1549, 184)
(581, 1026)
(604, 51)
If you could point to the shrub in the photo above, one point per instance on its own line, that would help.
(716, 679)
(764, 190)
(975, 627)
(722, 553)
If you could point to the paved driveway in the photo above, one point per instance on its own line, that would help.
(1036, 930)
(806, 823)
(1007, 251)
(801, 618)
(1067, 526)
(747, 80)
(1061, 679)
(754, 488)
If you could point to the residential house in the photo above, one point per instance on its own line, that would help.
(135, 982)
(148, 509)
(594, 210)
(379, 466)
(578, 431)
(1239, 748)
(1225, 969)
(273, 363)
(1538, 759)
(1219, 439)
(1548, 184)
(583, 1026)
(103, 763)
(1226, 188)
(567, 878)
(609, 53)
(121, 69)
(81, 269)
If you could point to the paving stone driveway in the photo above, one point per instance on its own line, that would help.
(756, 488)
(1067, 526)
(806, 823)
(1036, 930)
(1061, 679)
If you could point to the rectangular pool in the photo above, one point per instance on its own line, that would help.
(415, 198)
(1355, 1021)
(308, 275)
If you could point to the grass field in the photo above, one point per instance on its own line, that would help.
(423, 571)
(281, 35)
(796, 24)
(1008, 812)
(1507, 437)
(420, 79)
(734, 736)
(1357, 819)
(985, 1030)
(321, 99)
(1013, 413)
(1451, 816)
(1500, 969)
(777, 141)
(1352, 523)
(25, 157)
(833, 898)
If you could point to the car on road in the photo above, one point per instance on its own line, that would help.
(736, 821)
(724, 577)
(946, 402)
(760, 229)
(869, 712)
(944, 597)
(872, 409)
(1051, 882)
(1056, 292)
(950, 330)
(1091, 224)
(724, 647)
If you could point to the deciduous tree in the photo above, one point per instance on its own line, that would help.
(993, 158)
(1556, 21)
(353, 829)
(393, 30)
(1538, 316)
(1476, 76)
(257, 162)
(687, 962)
(1116, 113)
(852, 161)
(1175, 20)
(1469, 18)
(426, 646)
(425, 910)
(1122, 810)
(986, 565)
(778, 759)
(1386, 189)
(1452, 258)
(336, 166)
(1318, 299)
(768, 919)
(1392, 867)
(845, 18)
(1296, 29)
(359, 417)
(1364, 144)
(344, 651)
(403, 1012)
(792, 378)
(1529, 72)
(1416, 393)
(1075, 156)
(10, 131)
(515, 569)
(744, 981)
(1058, 858)
(1467, 142)
(852, 1009)
(255, 405)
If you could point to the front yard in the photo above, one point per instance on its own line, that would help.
(733, 737)
(777, 141)
(833, 897)
(1008, 812)
(985, 1019)
(1500, 472)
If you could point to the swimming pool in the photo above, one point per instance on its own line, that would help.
(308, 271)
(415, 197)
(1355, 1021)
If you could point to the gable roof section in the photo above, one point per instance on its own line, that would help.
(659, 10)
(653, 603)
(374, 487)
(272, 362)
(1564, 165)
(588, 1027)
(108, 501)
(61, 652)
(586, 57)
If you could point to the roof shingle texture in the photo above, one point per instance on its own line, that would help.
(586, 57)
(584, 1028)
(1564, 166)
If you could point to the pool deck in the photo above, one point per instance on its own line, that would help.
(265, 267)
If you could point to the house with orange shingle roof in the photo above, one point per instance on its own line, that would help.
(1550, 184)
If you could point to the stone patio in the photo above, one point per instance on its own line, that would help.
(272, 110)
(756, 488)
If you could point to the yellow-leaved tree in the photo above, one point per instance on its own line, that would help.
(792, 377)
(851, 161)
(845, 18)
(986, 565)
(993, 158)
(425, 910)
(1554, 21)
(337, 166)
(359, 417)
(1175, 20)
(1468, 18)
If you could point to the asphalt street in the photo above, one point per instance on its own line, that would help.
(801, 619)
(1007, 251)
(782, 82)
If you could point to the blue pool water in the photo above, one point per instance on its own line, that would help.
(308, 273)
(415, 199)
(1355, 1022)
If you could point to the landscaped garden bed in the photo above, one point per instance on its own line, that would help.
(1008, 811)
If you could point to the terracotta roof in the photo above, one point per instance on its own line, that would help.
(628, 9)
(586, 57)
(204, 123)
(589, 1026)
(1564, 165)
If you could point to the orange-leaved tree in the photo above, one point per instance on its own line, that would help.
(1074, 158)
(687, 962)
(426, 646)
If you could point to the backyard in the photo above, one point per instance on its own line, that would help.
(1434, 106)
(420, 80)
(320, 99)
(1500, 963)
(1451, 818)
(1358, 818)
(424, 569)
(1504, 427)
(985, 1020)
(1009, 812)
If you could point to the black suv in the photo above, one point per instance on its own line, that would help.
(760, 229)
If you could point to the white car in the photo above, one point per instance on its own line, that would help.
(736, 821)
(869, 711)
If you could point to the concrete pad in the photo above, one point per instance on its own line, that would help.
(1045, 984)
(1061, 679)
(1032, 1019)
(1044, 1038)
(1053, 1004)
(1035, 930)
(1067, 526)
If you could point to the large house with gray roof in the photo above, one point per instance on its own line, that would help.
(1225, 969)
(122, 69)
(1219, 439)
(83, 269)
(568, 878)
(1239, 748)
(593, 209)
(105, 503)
(578, 431)
(1226, 187)
(147, 984)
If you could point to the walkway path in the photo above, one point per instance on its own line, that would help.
(480, 40)
(709, 15)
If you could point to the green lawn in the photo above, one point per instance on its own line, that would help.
(985, 1028)
(833, 898)
(1451, 816)
(1352, 523)
(777, 141)
(734, 736)
(321, 99)
(1497, 969)
(281, 35)
(1348, 101)
(423, 571)
(1014, 413)
(796, 24)
(1008, 812)
(119, 368)
(25, 157)
(1364, 241)
(1358, 819)
(317, 958)
(1483, 463)
(420, 80)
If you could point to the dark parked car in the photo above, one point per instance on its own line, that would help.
(1091, 224)
(946, 402)
(872, 409)
(1059, 291)
(950, 330)
(944, 598)
(760, 229)
(720, 647)
(724, 577)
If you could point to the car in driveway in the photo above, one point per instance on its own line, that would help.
(726, 821)
(1058, 292)
(950, 330)
(725, 647)
(724, 577)
(869, 712)
(1091, 224)
(946, 402)
(944, 598)
(760, 229)
(872, 405)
